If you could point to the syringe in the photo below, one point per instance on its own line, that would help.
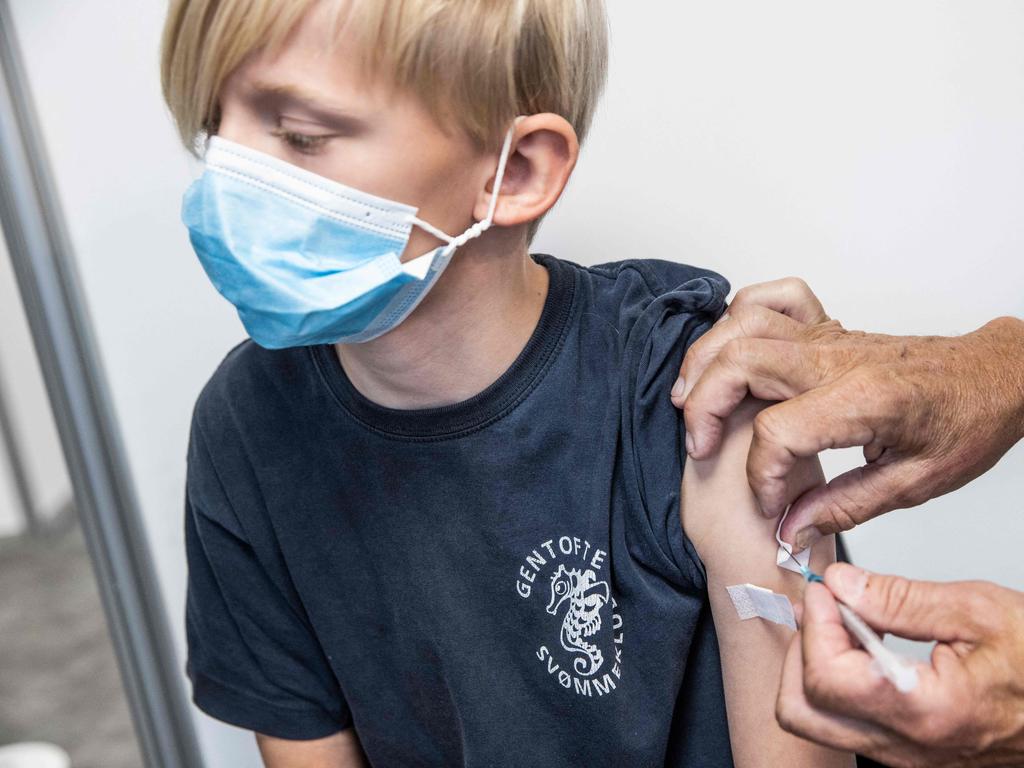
(898, 670)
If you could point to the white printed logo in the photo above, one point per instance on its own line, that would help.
(586, 596)
(577, 596)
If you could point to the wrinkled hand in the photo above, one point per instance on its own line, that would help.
(931, 412)
(968, 707)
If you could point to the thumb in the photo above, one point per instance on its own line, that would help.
(916, 610)
(852, 498)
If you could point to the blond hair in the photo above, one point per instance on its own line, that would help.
(477, 63)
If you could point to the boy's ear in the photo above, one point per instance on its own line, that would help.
(542, 157)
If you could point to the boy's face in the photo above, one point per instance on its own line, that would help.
(309, 106)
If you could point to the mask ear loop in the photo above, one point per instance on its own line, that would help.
(481, 226)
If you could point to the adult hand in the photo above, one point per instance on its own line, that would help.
(931, 412)
(968, 706)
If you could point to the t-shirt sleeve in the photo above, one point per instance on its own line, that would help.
(655, 432)
(253, 658)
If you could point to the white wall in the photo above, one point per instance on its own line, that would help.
(875, 148)
(29, 409)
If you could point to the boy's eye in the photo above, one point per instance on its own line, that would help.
(301, 142)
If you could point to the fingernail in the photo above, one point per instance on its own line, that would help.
(851, 582)
(722, 319)
(806, 538)
(691, 447)
(679, 387)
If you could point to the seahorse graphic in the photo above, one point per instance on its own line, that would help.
(586, 596)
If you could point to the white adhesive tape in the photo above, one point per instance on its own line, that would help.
(753, 602)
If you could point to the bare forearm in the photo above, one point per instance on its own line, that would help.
(737, 546)
(752, 656)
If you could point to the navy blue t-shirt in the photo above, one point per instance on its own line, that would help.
(500, 582)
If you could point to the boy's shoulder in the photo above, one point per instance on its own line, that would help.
(658, 275)
(622, 291)
(653, 277)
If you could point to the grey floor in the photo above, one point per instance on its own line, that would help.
(58, 676)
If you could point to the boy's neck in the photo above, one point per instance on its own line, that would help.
(462, 337)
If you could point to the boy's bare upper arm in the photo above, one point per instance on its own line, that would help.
(339, 750)
(737, 545)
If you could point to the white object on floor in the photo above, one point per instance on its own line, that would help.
(33, 754)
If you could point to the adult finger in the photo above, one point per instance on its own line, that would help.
(798, 716)
(803, 426)
(789, 296)
(917, 610)
(751, 321)
(854, 497)
(842, 681)
(829, 652)
(839, 676)
(766, 368)
(846, 683)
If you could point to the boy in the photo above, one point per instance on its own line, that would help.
(435, 516)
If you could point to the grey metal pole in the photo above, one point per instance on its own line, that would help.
(42, 258)
(9, 440)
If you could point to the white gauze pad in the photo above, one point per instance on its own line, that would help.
(753, 602)
(785, 557)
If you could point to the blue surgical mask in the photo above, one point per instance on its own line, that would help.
(304, 259)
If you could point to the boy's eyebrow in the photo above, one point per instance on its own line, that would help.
(309, 100)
